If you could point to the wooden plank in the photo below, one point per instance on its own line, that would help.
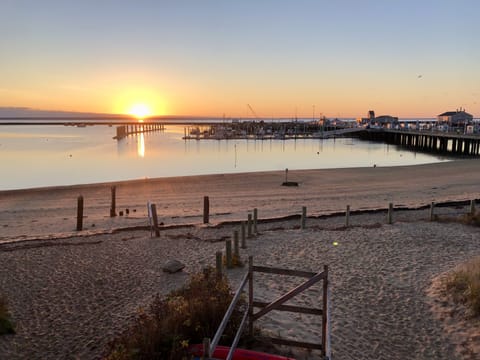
(278, 271)
(226, 317)
(239, 333)
(291, 308)
(272, 306)
(250, 296)
(288, 342)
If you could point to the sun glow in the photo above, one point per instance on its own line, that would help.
(140, 111)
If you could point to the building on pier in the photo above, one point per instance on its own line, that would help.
(384, 121)
(459, 118)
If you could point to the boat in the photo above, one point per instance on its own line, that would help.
(221, 353)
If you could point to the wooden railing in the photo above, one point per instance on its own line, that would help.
(278, 305)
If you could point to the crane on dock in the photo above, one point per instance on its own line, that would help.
(253, 112)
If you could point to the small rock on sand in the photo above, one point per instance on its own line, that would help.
(173, 266)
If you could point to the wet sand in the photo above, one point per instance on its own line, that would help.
(52, 211)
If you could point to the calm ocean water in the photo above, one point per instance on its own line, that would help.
(37, 156)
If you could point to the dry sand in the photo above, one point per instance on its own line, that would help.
(70, 294)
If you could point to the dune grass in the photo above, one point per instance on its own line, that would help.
(464, 286)
(469, 219)
(184, 317)
(6, 326)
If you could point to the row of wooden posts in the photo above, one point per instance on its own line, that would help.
(126, 130)
(251, 222)
(80, 204)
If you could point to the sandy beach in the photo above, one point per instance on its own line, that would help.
(71, 292)
(47, 212)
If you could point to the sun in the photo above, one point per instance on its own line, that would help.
(140, 111)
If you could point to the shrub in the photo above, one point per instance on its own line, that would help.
(464, 286)
(6, 326)
(470, 219)
(184, 317)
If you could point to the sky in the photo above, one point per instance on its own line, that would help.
(215, 57)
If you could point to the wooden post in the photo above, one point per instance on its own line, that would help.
(242, 233)
(228, 248)
(80, 213)
(255, 218)
(250, 296)
(206, 210)
(304, 217)
(155, 219)
(219, 263)
(324, 310)
(432, 211)
(236, 248)
(112, 207)
(347, 216)
(206, 349)
(472, 207)
(249, 225)
(390, 213)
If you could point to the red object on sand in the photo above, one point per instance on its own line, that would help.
(221, 352)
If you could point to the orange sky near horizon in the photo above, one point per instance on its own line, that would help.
(306, 59)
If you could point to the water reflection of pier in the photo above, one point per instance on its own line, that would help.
(125, 130)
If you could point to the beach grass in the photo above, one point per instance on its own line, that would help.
(464, 286)
(472, 219)
(6, 326)
(182, 318)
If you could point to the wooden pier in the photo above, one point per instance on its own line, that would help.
(125, 130)
(432, 142)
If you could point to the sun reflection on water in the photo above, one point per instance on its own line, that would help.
(141, 145)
